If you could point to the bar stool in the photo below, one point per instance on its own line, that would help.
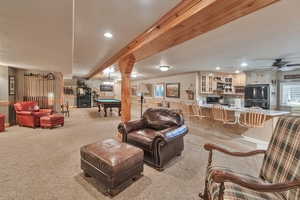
(197, 112)
(184, 109)
(253, 118)
(219, 113)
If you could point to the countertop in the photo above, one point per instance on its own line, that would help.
(272, 113)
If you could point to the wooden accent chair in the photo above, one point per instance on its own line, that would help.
(279, 175)
(254, 118)
(65, 109)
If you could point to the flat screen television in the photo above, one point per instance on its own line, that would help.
(106, 88)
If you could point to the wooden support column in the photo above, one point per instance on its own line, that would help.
(126, 65)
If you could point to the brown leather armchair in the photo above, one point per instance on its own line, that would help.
(159, 133)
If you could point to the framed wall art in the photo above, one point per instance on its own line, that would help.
(12, 85)
(173, 90)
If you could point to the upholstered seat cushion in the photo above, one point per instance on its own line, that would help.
(143, 138)
(53, 117)
(39, 114)
(236, 192)
(112, 157)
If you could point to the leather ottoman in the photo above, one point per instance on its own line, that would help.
(2, 123)
(113, 164)
(50, 121)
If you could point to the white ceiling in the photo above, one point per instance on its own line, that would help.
(269, 33)
(36, 34)
(124, 20)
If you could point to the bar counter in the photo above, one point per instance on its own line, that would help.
(252, 136)
(271, 113)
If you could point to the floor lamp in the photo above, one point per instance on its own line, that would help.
(143, 90)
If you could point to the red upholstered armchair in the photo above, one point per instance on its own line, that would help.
(29, 114)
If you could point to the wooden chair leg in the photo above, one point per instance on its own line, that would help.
(205, 195)
(221, 192)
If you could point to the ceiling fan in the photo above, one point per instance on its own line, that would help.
(283, 64)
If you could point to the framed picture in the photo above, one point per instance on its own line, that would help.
(106, 88)
(12, 85)
(147, 90)
(173, 90)
(159, 90)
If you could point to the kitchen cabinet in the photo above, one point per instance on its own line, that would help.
(207, 83)
(220, 83)
(239, 80)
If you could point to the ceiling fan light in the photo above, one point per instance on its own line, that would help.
(164, 68)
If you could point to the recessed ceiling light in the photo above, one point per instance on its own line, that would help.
(237, 71)
(244, 64)
(108, 35)
(218, 68)
(108, 83)
(164, 68)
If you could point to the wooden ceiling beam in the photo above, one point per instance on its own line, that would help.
(187, 20)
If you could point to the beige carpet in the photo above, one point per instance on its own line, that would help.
(39, 164)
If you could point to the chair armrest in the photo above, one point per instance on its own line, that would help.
(220, 177)
(211, 147)
(173, 133)
(24, 112)
(126, 127)
(49, 111)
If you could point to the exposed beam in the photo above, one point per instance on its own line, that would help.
(187, 20)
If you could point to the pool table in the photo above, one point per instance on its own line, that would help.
(108, 103)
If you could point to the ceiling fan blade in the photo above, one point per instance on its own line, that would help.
(263, 59)
(291, 68)
(293, 65)
(263, 68)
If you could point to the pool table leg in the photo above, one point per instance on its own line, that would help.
(99, 108)
(119, 111)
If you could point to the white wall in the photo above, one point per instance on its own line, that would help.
(186, 80)
(4, 98)
(4, 83)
